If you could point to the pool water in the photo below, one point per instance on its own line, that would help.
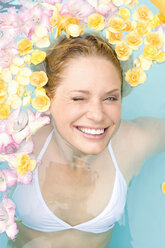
(143, 223)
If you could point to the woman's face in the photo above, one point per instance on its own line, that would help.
(87, 105)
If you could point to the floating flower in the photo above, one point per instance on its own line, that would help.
(163, 188)
(155, 22)
(23, 76)
(128, 26)
(160, 5)
(37, 57)
(4, 111)
(124, 13)
(142, 28)
(161, 18)
(143, 62)
(38, 79)
(40, 37)
(23, 163)
(135, 76)
(154, 39)
(113, 38)
(41, 103)
(96, 21)
(74, 30)
(7, 179)
(123, 51)
(143, 13)
(24, 46)
(116, 24)
(160, 58)
(14, 101)
(16, 65)
(134, 40)
(7, 222)
(3, 87)
(39, 91)
(150, 52)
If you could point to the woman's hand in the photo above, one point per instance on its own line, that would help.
(160, 4)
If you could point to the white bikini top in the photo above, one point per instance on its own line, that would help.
(35, 214)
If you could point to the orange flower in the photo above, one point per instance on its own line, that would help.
(113, 38)
(38, 79)
(25, 46)
(123, 51)
(154, 39)
(128, 26)
(3, 98)
(161, 17)
(116, 24)
(24, 163)
(4, 111)
(96, 21)
(142, 28)
(134, 40)
(150, 52)
(135, 76)
(160, 5)
(41, 103)
(143, 13)
(3, 87)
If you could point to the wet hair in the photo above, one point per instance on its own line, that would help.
(70, 48)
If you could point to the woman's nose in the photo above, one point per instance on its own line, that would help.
(95, 112)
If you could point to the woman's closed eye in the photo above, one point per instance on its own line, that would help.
(78, 99)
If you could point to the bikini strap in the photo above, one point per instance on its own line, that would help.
(113, 156)
(45, 146)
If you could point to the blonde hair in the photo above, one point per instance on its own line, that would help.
(69, 48)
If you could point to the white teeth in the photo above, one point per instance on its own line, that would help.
(91, 131)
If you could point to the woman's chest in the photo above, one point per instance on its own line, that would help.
(78, 194)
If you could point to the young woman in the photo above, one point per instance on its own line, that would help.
(88, 154)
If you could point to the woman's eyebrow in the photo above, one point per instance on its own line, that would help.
(87, 92)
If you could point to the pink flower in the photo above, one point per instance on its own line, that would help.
(53, 1)
(32, 17)
(80, 9)
(7, 179)
(7, 218)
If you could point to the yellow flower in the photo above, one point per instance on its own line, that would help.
(4, 111)
(25, 46)
(3, 87)
(23, 76)
(154, 22)
(123, 51)
(124, 13)
(150, 52)
(37, 56)
(38, 78)
(134, 40)
(160, 5)
(160, 58)
(135, 76)
(3, 98)
(154, 39)
(143, 13)
(96, 21)
(113, 38)
(132, 4)
(41, 103)
(116, 24)
(16, 65)
(142, 28)
(74, 30)
(39, 91)
(128, 26)
(163, 188)
(24, 164)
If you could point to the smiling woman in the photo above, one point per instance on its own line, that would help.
(88, 152)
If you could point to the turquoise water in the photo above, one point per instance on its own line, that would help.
(144, 220)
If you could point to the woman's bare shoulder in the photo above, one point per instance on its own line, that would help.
(40, 137)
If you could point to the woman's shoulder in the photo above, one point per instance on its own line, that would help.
(40, 137)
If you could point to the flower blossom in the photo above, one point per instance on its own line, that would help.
(7, 179)
(7, 219)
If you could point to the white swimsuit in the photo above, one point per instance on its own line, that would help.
(35, 214)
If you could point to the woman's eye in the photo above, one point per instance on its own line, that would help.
(77, 99)
(111, 98)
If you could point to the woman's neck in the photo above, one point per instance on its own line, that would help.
(71, 154)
